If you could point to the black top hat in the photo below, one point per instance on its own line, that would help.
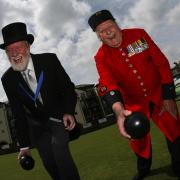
(99, 17)
(15, 32)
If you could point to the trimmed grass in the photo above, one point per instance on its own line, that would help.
(99, 155)
(110, 158)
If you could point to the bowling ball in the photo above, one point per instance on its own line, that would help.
(27, 162)
(137, 125)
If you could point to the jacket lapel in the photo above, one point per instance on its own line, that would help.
(37, 67)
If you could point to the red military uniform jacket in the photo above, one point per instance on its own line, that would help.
(141, 73)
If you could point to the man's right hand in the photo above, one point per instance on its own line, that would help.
(24, 151)
(120, 122)
(121, 114)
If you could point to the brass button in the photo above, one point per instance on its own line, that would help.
(139, 77)
(112, 93)
(123, 54)
(130, 65)
(141, 83)
(134, 71)
(127, 60)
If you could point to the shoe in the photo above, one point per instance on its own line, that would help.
(140, 176)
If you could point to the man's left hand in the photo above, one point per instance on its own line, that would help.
(171, 106)
(69, 122)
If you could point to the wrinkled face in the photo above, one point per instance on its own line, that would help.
(18, 54)
(109, 33)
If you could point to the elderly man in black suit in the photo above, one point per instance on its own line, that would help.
(42, 99)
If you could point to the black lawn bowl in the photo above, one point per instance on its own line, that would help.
(137, 125)
(27, 162)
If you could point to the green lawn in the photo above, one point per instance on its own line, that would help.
(99, 155)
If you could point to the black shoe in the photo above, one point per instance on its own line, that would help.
(139, 176)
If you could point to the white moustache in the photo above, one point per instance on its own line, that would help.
(111, 36)
(16, 58)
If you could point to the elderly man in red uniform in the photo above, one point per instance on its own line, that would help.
(135, 76)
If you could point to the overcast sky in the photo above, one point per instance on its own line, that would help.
(61, 27)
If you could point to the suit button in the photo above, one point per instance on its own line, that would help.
(145, 95)
(144, 90)
(139, 77)
(127, 60)
(134, 71)
(130, 65)
(123, 54)
(141, 83)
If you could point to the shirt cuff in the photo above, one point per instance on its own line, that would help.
(24, 148)
(113, 96)
(168, 91)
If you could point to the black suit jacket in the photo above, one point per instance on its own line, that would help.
(57, 92)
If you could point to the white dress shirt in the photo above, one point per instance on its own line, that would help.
(30, 71)
(30, 77)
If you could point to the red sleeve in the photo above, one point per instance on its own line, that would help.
(106, 79)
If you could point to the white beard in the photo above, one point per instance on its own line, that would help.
(22, 65)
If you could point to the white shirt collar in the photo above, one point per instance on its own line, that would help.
(30, 65)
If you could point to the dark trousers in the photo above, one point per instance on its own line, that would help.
(144, 165)
(53, 148)
(174, 149)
